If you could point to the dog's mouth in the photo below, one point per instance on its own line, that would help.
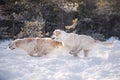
(11, 48)
(55, 38)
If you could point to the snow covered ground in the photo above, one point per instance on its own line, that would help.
(103, 64)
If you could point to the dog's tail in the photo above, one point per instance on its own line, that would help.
(105, 43)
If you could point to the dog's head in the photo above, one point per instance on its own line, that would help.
(14, 44)
(58, 34)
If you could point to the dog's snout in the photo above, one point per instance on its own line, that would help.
(11, 46)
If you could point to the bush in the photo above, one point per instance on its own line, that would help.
(31, 29)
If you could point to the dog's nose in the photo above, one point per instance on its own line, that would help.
(10, 46)
(53, 38)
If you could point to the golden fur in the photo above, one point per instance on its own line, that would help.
(36, 46)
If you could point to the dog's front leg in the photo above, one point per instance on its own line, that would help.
(38, 54)
(31, 53)
(34, 53)
(75, 52)
(86, 53)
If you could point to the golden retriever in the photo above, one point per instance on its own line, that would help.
(75, 43)
(36, 46)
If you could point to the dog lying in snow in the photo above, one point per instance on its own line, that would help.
(36, 46)
(75, 43)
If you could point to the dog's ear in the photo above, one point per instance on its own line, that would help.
(57, 44)
(57, 33)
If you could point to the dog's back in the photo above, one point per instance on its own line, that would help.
(46, 45)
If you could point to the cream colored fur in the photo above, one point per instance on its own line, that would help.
(36, 46)
(75, 43)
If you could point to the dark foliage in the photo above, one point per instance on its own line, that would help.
(97, 18)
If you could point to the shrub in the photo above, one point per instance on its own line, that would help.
(31, 29)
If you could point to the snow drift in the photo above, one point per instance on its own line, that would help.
(102, 64)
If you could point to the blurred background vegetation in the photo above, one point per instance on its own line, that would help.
(39, 18)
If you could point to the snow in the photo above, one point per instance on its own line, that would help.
(102, 64)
